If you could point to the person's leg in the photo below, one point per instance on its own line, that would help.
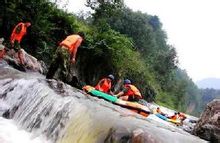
(54, 65)
(75, 82)
(65, 66)
(17, 48)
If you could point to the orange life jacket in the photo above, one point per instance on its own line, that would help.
(181, 116)
(18, 36)
(104, 85)
(133, 91)
(174, 117)
(71, 42)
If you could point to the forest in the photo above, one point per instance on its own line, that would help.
(126, 43)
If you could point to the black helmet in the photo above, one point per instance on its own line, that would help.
(127, 81)
(111, 77)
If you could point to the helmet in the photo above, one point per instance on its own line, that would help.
(127, 81)
(111, 77)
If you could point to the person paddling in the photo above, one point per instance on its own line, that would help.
(174, 117)
(105, 84)
(181, 116)
(129, 92)
(160, 112)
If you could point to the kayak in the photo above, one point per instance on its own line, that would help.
(177, 122)
(133, 106)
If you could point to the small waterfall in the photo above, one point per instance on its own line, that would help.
(64, 114)
(36, 107)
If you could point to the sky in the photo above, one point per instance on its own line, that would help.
(192, 27)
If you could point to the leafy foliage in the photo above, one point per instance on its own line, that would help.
(120, 41)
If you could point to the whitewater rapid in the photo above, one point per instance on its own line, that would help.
(44, 111)
(10, 133)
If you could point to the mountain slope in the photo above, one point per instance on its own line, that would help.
(209, 83)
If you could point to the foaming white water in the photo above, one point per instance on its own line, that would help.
(10, 133)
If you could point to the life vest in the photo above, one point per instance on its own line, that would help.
(18, 36)
(174, 117)
(71, 42)
(181, 116)
(133, 91)
(104, 85)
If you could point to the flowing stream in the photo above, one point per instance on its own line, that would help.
(50, 111)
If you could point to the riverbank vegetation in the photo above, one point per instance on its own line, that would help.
(126, 43)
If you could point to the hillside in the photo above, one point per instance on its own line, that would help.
(209, 83)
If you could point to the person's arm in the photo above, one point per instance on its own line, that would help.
(120, 94)
(111, 93)
(77, 44)
(124, 90)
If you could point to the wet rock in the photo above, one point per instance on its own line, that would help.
(4, 109)
(8, 114)
(141, 136)
(126, 135)
(30, 62)
(208, 126)
(188, 125)
(119, 135)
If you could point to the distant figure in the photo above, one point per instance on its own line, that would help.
(17, 34)
(160, 112)
(129, 92)
(105, 84)
(181, 116)
(174, 117)
(65, 54)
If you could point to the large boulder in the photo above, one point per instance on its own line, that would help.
(208, 126)
(30, 62)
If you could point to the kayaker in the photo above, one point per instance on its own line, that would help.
(105, 84)
(65, 54)
(181, 116)
(160, 112)
(129, 92)
(174, 117)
